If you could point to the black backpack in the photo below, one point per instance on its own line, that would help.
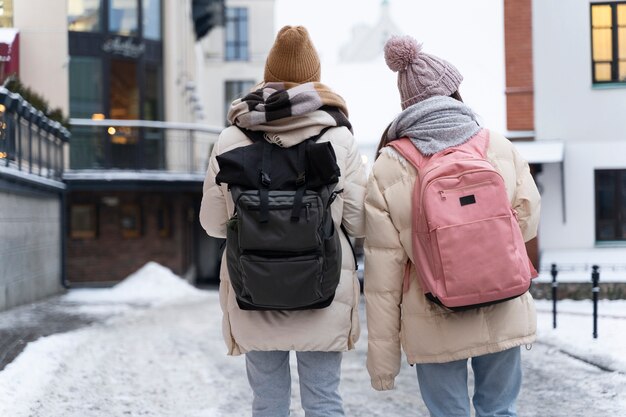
(282, 249)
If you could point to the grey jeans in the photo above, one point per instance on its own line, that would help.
(270, 379)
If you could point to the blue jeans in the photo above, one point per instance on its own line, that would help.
(497, 382)
(270, 379)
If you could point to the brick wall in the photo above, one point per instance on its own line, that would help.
(519, 64)
(111, 257)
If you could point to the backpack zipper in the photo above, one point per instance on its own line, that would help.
(442, 193)
(423, 191)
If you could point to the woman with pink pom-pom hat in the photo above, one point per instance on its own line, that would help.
(437, 340)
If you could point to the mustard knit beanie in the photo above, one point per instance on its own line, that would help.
(292, 58)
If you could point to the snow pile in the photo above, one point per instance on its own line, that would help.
(151, 285)
(574, 331)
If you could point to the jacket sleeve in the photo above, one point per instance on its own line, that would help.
(213, 210)
(527, 201)
(354, 192)
(385, 260)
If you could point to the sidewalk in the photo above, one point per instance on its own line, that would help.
(152, 346)
(22, 325)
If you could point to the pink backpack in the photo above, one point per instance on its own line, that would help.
(468, 248)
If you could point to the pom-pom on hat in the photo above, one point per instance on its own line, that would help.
(420, 75)
(292, 58)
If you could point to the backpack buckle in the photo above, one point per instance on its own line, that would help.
(265, 179)
(301, 179)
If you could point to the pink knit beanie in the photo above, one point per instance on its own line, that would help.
(420, 75)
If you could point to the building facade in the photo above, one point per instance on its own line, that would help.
(146, 100)
(580, 99)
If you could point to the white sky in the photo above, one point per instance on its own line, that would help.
(467, 33)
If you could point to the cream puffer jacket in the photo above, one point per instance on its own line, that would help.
(427, 332)
(334, 328)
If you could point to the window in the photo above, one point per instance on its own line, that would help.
(130, 221)
(236, 34)
(86, 94)
(164, 221)
(234, 90)
(83, 221)
(85, 87)
(608, 42)
(610, 205)
(151, 19)
(83, 15)
(6, 13)
(123, 17)
(124, 90)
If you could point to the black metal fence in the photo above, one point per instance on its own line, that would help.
(593, 289)
(29, 141)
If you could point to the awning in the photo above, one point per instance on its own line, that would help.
(546, 152)
(541, 151)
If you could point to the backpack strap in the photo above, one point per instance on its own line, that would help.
(479, 143)
(300, 181)
(406, 148)
(266, 181)
(303, 149)
(253, 135)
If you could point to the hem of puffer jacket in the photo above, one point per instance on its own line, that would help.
(383, 383)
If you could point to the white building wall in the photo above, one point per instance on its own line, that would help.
(590, 120)
(179, 61)
(44, 56)
(215, 71)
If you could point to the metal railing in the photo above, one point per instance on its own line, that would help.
(140, 145)
(29, 141)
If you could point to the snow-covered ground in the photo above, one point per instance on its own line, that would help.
(157, 350)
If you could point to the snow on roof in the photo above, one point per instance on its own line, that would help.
(541, 151)
(152, 284)
(7, 35)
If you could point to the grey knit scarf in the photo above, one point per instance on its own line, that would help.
(435, 124)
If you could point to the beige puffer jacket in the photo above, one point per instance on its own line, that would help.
(427, 332)
(334, 328)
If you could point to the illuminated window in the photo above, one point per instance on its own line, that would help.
(610, 204)
(608, 42)
(6, 13)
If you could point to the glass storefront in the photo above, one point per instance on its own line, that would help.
(115, 73)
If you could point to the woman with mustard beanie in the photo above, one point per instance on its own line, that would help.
(289, 107)
(437, 340)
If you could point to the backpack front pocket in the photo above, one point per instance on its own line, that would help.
(280, 232)
(478, 258)
(291, 282)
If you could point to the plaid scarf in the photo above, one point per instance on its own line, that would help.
(289, 113)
